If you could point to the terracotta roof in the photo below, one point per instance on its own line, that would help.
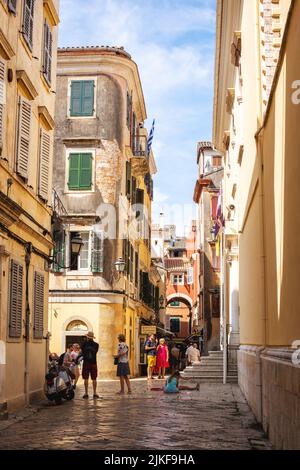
(176, 264)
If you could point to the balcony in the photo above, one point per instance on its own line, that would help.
(140, 158)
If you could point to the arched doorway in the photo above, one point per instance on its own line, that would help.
(75, 332)
(179, 313)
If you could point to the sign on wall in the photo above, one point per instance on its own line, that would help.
(190, 275)
(148, 330)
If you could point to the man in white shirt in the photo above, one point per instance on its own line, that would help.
(194, 354)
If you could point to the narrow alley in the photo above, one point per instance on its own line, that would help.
(216, 417)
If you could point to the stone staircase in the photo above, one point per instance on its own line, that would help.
(210, 369)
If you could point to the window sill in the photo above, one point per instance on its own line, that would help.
(82, 117)
(78, 191)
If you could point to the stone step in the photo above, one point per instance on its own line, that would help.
(212, 378)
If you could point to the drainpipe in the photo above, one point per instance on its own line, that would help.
(28, 251)
(223, 307)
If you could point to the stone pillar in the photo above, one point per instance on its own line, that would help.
(233, 293)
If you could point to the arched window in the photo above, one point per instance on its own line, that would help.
(77, 325)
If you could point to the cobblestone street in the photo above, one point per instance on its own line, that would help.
(217, 417)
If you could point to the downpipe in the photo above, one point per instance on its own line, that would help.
(28, 251)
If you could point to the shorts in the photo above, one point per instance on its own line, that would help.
(89, 369)
(151, 361)
(123, 369)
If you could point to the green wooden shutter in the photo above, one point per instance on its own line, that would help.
(38, 305)
(74, 170)
(97, 252)
(15, 299)
(87, 101)
(85, 174)
(75, 108)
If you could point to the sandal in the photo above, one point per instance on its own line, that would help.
(120, 393)
(95, 396)
(85, 396)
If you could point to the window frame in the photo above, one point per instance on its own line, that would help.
(177, 283)
(74, 150)
(69, 94)
(79, 270)
(179, 322)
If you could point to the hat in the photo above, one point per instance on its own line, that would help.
(90, 334)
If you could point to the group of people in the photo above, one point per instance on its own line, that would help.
(160, 356)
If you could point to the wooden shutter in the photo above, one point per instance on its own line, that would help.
(74, 170)
(12, 6)
(85, 174)
(38, 305)
(97, 252)
(28, 22)
(45, 149)
(139, 202)
(129, 110)
(133, 131)
(87, 101)
(59, 251)
(128, 179)
(214, 207)
(47, 52)
(2, 101)
(75, 107)
(133, 190)
(15, 299)
(23, 137)
(136, 276)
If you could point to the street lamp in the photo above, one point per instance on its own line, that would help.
(119, 268)
(76, 245)
(120, 265)
(161, 301)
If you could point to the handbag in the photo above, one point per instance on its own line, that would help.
(116, 361)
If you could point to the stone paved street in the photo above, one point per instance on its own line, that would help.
(218, 416)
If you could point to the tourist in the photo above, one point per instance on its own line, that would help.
(123, 370)
(67, 361)
(74, 367)
(172, 384)
(194, 354)
(174, 357)
(89, 351)
(162, 358)
(190, 347)
(150, 348)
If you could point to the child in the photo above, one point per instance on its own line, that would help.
(172, 384)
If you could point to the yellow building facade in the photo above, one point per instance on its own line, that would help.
(256, 125)
(28, 43)
(103, 178)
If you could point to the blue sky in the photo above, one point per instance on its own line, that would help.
(172, 42)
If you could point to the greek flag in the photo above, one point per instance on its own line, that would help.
(150, 138)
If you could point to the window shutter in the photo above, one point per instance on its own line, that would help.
(128, 179)
(139, 202)
(47, 52)
(38, 305)
(87, 101)
(12, 6)
(2, 101)
(15, 300)
(129, 110)
(151, 188)
(85, 175)
(28, 22)
(45, 148)
(214, 207)
(136, 276)
(133, 190)
(74, 170)
(59, 251)
(23, 137)
(133, 130)
(97, 252)
(75, 98)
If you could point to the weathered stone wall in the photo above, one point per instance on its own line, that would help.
(271, 385)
